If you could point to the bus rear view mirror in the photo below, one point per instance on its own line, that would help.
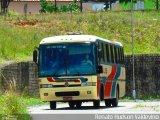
(35, 55)
(99, 69)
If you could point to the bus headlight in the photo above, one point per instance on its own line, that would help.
(91, 84)
(46, 86)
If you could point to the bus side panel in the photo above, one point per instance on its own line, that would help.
(113, 75)
(122, 83)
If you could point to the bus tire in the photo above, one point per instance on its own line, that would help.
(108, 103)
(52, 105)
(101, 94)
(71, 104)
(115, 100)
(96, 103)
(78, 104)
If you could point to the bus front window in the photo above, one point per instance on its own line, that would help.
(67, 59)
(81, 59)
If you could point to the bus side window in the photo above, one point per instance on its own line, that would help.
(112, 53)
(119, 54)
(98, 56)
(122, 55)
(107, 53)
(102, 58)
(101, 53)
(115, 54)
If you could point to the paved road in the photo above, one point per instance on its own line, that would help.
(87, 108)
(87, 112)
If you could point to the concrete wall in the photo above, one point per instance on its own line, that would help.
(24, 74)
(147, 75)
(18, 73)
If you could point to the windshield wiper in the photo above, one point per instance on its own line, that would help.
(77, 72)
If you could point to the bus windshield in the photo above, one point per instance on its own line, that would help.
(67, 59)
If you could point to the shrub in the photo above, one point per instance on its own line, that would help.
(12, 105)
(43, 4)
(50, 7)
(63, 8)
(73, 7)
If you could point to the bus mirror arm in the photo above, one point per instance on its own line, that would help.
(99, 69)
(35, 56)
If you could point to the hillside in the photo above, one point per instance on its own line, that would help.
(19, 36)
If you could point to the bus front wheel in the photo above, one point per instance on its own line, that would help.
(96, 103)
(78, 104)
(71, 104)
(52, 105)
(108, 103)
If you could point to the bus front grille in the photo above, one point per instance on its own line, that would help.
(72, 93)
(67, 86)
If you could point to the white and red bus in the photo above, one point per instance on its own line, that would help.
(80, 68)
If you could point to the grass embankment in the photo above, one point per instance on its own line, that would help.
(144, 97)
(18, 38)
(13, 105)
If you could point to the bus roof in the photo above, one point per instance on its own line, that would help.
(76, 38)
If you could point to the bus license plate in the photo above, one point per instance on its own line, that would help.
(67, 98)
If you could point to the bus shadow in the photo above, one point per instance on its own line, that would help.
(85, 108)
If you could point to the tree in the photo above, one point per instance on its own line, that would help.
(157, 4)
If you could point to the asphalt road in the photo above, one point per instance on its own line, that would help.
(64, 112)
(87, 108)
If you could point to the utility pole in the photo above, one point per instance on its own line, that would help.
(1, 6)
(81, 5)
(55, 3)
(157, 4)
(132, 32)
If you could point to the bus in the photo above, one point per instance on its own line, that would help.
(80, 68)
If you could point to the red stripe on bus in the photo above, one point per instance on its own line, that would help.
(98, 85)
(107, 90)
(67, 81)
(50, 79)
(113, 73)
(76, 80)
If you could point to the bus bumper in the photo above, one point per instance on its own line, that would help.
(85, 93)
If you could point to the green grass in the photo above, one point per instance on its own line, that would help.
(17, 42)
(13, 106)
(151, 97)
(147, 5)
(32, 101)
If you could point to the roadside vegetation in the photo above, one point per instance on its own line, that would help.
(151, 97)
(19, 35)
(13, 105)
